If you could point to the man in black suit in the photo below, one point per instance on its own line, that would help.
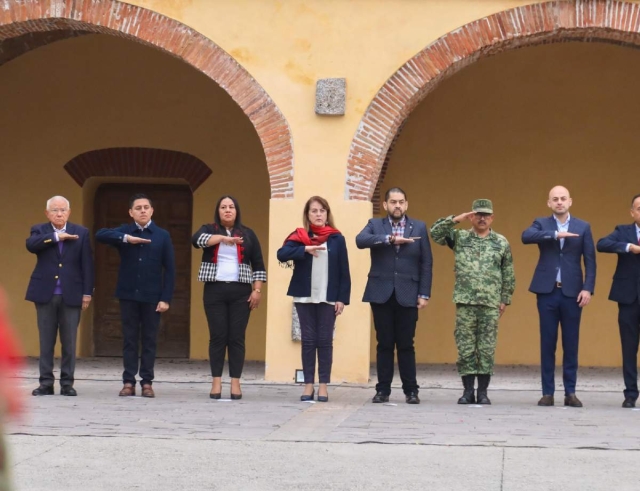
(145, 287)
(61, 286)
(625, 289)
(399, 285)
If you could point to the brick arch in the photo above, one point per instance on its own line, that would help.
(609, 21)
(138, 162)
(24, 19)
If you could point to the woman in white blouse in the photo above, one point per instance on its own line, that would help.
(233, 271)
(320, 287)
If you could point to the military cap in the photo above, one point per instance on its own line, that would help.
(482, 206)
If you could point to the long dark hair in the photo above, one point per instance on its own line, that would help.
(237, 225)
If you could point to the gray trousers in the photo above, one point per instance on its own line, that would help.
(54, 316)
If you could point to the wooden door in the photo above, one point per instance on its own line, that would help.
(172, 210)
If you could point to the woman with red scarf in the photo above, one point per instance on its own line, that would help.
(320, 287)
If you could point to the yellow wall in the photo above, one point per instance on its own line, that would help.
(99, 91)
(509, 128)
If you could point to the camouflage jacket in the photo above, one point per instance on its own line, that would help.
(483, 266)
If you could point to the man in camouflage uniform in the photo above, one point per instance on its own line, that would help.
(484, 285)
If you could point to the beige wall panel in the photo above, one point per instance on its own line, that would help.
(509, 128)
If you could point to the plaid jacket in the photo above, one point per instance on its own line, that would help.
(251, 265)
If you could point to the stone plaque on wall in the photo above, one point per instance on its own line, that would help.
(331, 96)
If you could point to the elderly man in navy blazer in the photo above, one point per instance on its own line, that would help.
(399, 285)
(625, 289)
(145, 288)
(561, 288)
(61, 286)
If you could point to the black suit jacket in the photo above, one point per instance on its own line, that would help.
(74, 265)
(626, 279)
(408, 271)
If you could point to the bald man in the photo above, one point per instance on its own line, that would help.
(562, 289)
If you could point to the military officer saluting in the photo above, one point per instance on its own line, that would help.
(484, 285)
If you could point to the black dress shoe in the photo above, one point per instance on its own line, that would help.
(43, 390)
(323, 398)
(380, 397)
(412, 398)
(306, 398)
(215, 396)
(67, 390)
(629, 402)
(236, 397)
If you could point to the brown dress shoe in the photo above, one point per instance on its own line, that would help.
(546, 401)
(147, 391)
(572, 401)
(128, 390)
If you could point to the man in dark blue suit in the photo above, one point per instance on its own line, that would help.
(399, 285)
(562, 289)
(61, 286)
(145, 287)
(625, 289)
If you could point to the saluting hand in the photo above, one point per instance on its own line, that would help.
(313, 249)
(232, 240)
(635, 249)
(464, 216)
(62, 236)
(132, 239)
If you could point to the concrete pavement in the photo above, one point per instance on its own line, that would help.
(270, 440)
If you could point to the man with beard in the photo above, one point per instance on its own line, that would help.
(561, 288)
(399, 285)
(484, 286)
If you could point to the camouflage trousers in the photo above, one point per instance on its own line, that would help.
(476, 334)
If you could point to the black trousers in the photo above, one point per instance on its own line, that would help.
(227, 308)
(629, 323)
(317, 321)
(140, 324)
(395, 329)
(52, 317)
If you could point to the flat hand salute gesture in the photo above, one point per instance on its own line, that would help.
(232, 240)
(62, 236)
(564, 235)
(132, 239)
(313, 249)
(464, 216)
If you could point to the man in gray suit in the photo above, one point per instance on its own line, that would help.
(399, 285)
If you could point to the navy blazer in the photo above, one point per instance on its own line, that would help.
(542, 232)
(147, 271)
(74, 265)
(626, 279)
(339, 286)
(407, 271)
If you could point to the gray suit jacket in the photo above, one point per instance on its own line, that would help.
(407, 271)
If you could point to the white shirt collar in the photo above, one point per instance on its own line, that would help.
(140, 227)
(63, 229)
(565, 224)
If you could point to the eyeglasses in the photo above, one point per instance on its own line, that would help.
(59, 210)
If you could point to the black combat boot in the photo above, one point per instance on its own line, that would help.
(468, 381)
(483, 385)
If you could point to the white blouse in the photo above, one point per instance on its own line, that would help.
(319, 280)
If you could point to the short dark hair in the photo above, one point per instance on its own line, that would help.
(136, 197)
(324, 203)
(216, 215)
(394, 190)
(633, 200)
